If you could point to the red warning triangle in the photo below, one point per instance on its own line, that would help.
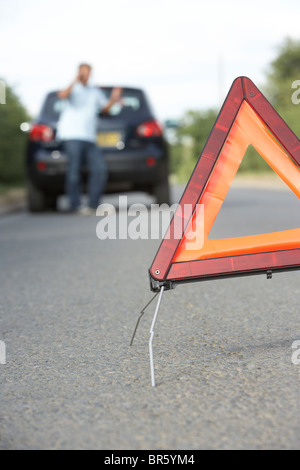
(186, 253)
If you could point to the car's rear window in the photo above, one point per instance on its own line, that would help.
(132, 102)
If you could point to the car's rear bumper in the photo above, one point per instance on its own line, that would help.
(136, 169)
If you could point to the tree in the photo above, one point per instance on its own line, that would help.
(191, 137)
(283, 71)
(12, 140)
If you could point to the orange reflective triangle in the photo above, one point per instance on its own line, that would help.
(246, 118)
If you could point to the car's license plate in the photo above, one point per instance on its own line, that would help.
(108, 139)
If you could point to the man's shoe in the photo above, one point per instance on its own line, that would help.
(86, 211)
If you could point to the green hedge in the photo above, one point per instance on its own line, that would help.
(12, 140)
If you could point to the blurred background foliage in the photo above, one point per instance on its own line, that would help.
(190, 137)
(12, 140)
(186, 141)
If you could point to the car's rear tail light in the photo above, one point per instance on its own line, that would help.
(41, 166)
(151, 161)
(149, 129)
(41, 133)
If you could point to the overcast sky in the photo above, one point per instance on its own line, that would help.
(184, 53)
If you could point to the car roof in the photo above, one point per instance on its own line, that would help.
(145, 110)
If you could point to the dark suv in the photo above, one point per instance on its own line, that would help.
(132, 140)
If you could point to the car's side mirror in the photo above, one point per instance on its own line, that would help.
(172, 124)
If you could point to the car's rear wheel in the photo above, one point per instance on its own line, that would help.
(161, 192)
(161, 189)
(37, 200)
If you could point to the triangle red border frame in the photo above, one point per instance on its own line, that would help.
(165, 273)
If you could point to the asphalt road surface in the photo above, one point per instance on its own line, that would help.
(222, 349)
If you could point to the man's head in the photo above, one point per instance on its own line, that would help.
(84, 72)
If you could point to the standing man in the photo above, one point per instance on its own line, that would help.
(77, 128)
